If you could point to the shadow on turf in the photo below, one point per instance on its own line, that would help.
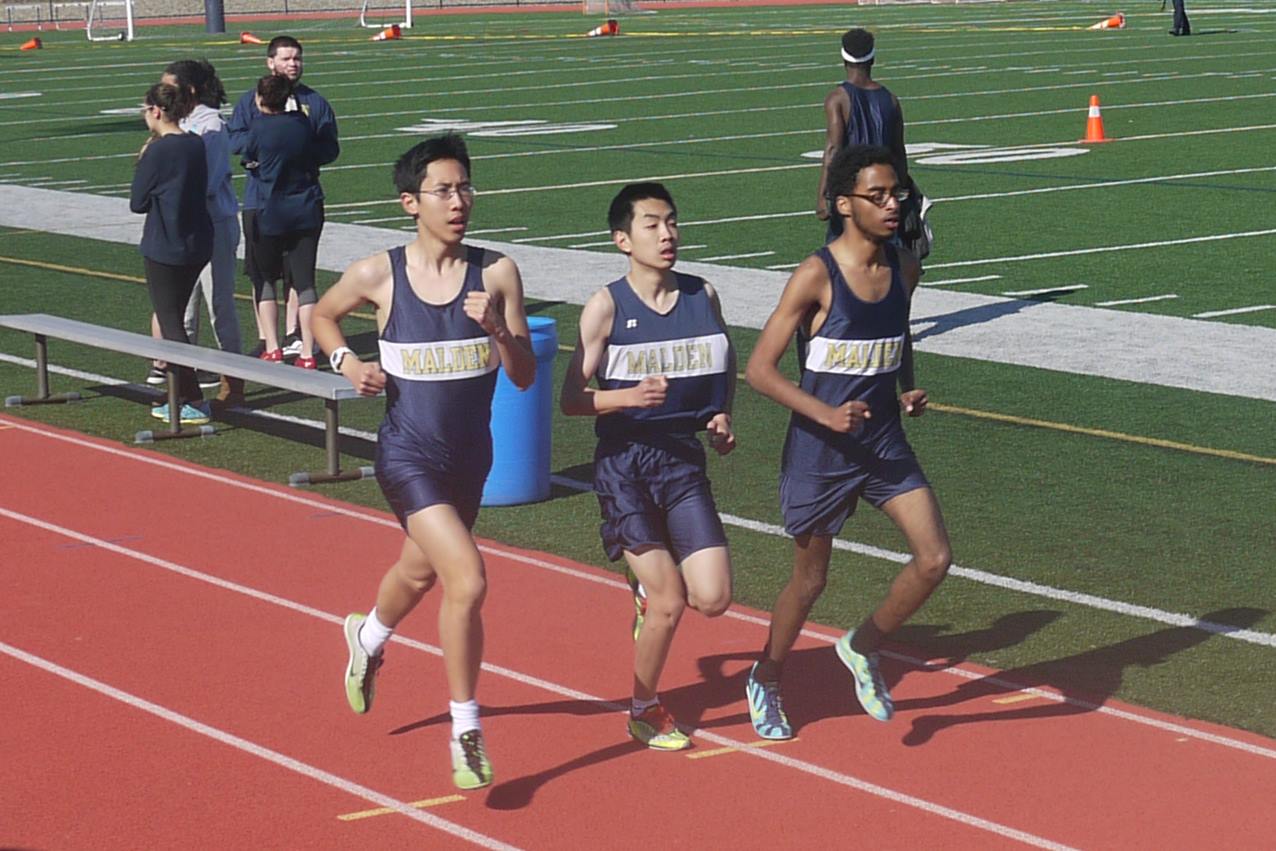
(945, 322)
(1086, 680)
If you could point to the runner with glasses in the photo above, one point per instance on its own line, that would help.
(848, 305)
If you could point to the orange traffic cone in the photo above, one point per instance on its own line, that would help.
(249, 38)
(390, 33)
(32, 44)
(1116, 22)
(1094, 123)
(608, 28)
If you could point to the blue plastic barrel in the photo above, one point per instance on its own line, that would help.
(521, 424)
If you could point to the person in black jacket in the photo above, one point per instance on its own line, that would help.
(285, 230)
(169, 185)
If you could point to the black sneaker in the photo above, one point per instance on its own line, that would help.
(292, 345)
(156, 377)
(207, 380)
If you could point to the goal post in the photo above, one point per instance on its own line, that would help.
(607, 8)
(406, 23)
(99, 18)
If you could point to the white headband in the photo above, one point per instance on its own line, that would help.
(859, 60)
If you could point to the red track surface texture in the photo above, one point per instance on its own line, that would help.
(171, 651)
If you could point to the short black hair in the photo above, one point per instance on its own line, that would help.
(620, 215)
(859, 43)
(847, 164)
(200, 75)
(409, 171)
(274, 92)
(282, 41)
(176, 103)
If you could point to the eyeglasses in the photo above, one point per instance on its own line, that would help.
(882, 198)
(444, 193)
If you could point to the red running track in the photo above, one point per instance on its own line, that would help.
(172, 652)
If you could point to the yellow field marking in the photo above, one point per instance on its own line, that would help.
(385, 811)
(1099, 432)
(946, 409)
(1018, 698)
(721, 751)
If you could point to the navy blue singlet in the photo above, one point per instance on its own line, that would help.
(441, 373)
(873, 117)
(855, 354)
(687, 345)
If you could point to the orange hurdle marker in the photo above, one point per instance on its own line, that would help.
(32, 44)
(249, 38)
(611, 27)
(1094, 123)
(390, 33)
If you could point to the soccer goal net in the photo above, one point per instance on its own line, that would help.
(109, 20)
(607, 8)
(385, 15)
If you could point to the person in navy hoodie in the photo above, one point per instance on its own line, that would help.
(655, 345)
(283, 59)
(449, 315)
(848, 304)
(289, 217)
(170, 183)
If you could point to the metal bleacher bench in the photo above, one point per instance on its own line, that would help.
(331, 388)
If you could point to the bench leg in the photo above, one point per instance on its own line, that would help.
(175, 429)
(42, 395)
(334, 473)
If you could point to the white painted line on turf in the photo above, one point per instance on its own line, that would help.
(950, 281)
(545, 685)
(1104, 249)
(735, 256)
(260, 751)
(1143, 300)
(973, 574)
(1046, 290)
(1210, 314)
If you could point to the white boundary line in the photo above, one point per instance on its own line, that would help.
(723, 741)
(983, 577)
(259, 751)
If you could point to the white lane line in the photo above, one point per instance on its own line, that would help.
(1046, 290)
(735, 256)
(402, 807)
(973, 574)
(259, 751)
(950, 281)
(1103, 249)
(1209, 314)
(1143, 300)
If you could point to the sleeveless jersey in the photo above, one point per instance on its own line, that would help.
(441, 374)
(687, 345)
(855, 354)
(873, 117)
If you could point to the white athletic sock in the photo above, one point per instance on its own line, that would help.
(373, 634)
(465, 717)
(638, 707)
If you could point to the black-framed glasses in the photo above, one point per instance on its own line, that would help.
(882, 198)
(445, 193)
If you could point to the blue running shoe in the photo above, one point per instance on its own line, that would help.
(765, 708)
(196, 414)
(869, 686)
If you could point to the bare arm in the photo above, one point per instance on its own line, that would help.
(577, 397)
(807, 291)
(836, 108)
(365, 282)
(911, 396)
(721, 434)
(500, 311)
(898, 150)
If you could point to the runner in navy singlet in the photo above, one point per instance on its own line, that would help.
(449, 316)
(860, 111)
(655, 344)
(848, 305)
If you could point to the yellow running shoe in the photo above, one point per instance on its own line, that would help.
(470, 766)
(656, 729)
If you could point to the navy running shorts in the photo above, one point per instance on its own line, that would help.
(411, 484)
(655, 494)
(814, 506)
